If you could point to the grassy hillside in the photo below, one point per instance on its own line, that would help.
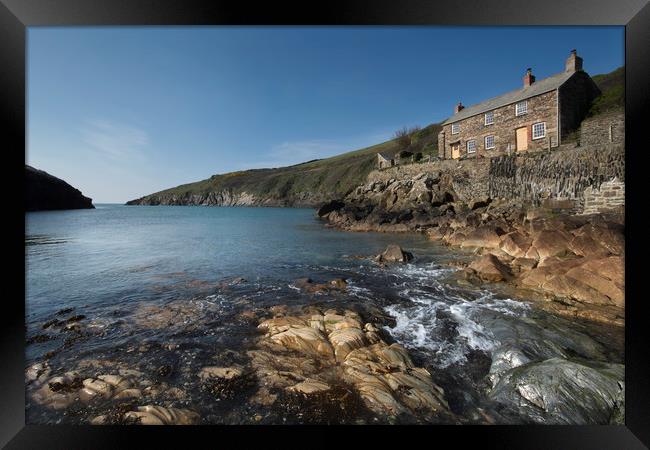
(612, 87)
(308, 183)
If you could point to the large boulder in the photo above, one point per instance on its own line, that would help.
(485, 236)
(606, 234)
(490, 268)
(563, 392)
(394, 253)
(595, 281)
(549, 243)
(515, 244)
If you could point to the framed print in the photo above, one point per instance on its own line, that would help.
(279, 221)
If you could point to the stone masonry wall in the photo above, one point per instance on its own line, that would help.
(469, 177)
(603, 129)
(557, 175)
(610, 196)
(559, 178)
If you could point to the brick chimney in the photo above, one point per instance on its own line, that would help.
(573, 62)
(529, 78)
(458, 107)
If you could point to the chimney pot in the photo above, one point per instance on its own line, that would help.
(529, 78)
(573, 62)
(458, 107)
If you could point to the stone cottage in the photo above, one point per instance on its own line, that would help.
(385, 160)
(535, 117)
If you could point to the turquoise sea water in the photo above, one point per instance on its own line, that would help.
(106, 264)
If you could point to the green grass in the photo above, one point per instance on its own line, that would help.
(612, 87)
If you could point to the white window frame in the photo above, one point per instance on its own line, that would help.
(467, 146)
(532, 128)
(493, 142)
(521, 111)
(455, 126)
(486, 118)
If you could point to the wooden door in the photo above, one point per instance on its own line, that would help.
(522, 138)
(455, 150)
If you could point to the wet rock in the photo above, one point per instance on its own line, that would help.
(51, 323)
(180, 315)
(58, 392)
(310, 387)
(559, 391)
(383, 376)
(65, 311)
(304, 339)
(308, 285)
(158, 415)
(164, 370)
(38, 372)
(394, 253)
(225, 373)
(489, 268)
(345, 340)
(39, 338)
(76, 318)
(228, 282)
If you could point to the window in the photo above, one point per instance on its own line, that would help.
(455, 128)
(471, 146)
(539, 130)
(489, 118)
(489, 142)
(521, 108)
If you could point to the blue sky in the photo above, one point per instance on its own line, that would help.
(122, 112)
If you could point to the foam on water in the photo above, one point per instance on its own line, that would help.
(442, 319)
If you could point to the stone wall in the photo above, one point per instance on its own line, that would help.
(469, 178)
(557, 179)
(603, 129)
(610, 196)
(557, 175)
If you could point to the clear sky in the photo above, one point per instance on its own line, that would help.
(122, 112)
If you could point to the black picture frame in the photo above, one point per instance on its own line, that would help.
(16, 15)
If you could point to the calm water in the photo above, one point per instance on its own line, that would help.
(108, 263)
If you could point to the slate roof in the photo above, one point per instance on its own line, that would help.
(386, 155)
(538, 87)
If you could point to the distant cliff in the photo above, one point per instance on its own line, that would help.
(45, 192)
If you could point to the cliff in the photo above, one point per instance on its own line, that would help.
(46, 192)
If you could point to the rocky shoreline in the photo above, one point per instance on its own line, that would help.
(573, 263)
(323, 362)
